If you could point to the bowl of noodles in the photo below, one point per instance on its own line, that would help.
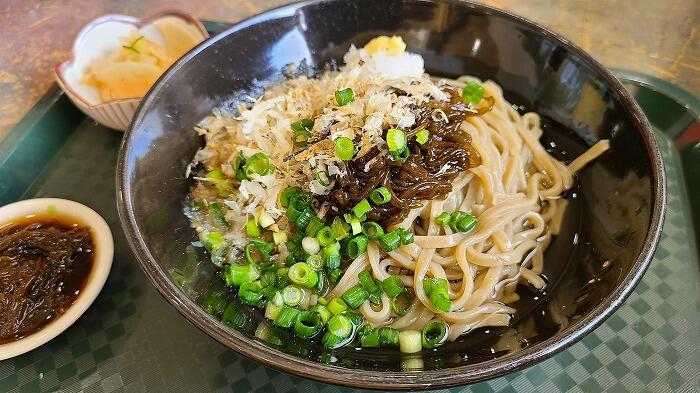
(392, 195)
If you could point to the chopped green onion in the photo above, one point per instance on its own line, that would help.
(396, 140)
(339, 229)
(372, 230)
(422, 136)
(268, 277)
(456, 217)
(467, 223)
(300, 138)
(344, 96)
(367, 282)
(302, 274)
(265, 219)
(402, 303)
(310, 245)
(357, 246)
(340, 325)
(258, 251)
(380, 196)
(287, 316)
(410, 341)
(258, 163)
(323, 178)
(303, 219)
(405, 235)
(332, 249)
(323, 285)
(236, 275)
(213, 240)
(279, 237)
(250, 292)
(223, 187)
(315, 261)
(434, 334)
(272, 311)
(308, 324)
(344, 148)
(335, 275)
(355, 296)
(355, 225)
(325, 237)
(217, 211)
(443, 219)
(288, 194)
(332, 262)
(292, 295)
(356, 319)
(441, 301)
(390, 241)
(401, 155)
(337, 306)
(369, 337)
(392, 286)
(322, 312)
(472, 93)
(363, 207)
(375, 297)
(331, 341)
(252, 229)
(277, 299)
(436, 289)
(314, 226)
(389, 336)
(303, 125)
(322, 300)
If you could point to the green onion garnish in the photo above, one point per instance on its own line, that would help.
(315, 225)
(223, 187)
(380, 196)
(236, 275)
(325, 236)
(323, 178)
(355, 225)
(368, 282)
(286, 317)
(340, 325)
(315, 261)
(357, 246)
(323, 286)
(456, 217)
(217, 211)
(300, 138)
(436, 289)
(443, 219)
(355, 296)
(279, 237)
(335, 275)
(258, 251)
(405, 235)
(310, 245)
(339, 229)
(392, 286)
(390, 241)
(213, 240)
(322, 312)
(372, 230)
(434, 334)
(363, 207)
(250, 292)
(344, 148)
(337, 306)
(467, 223)
(252, 229)
(303, 125)
(308, 324)
(401, 155)
(396, 140)
(302, 274)
(410, 341)
(389, 336)
(288, 194)
(369, 337)
(344, 96)
(472, 93)
(356, 319)
(258, 163)
(401, 303)
(292, 295)
(272, 311)
(332, 262)
(304, 218)
(422, 136)
(332, 249)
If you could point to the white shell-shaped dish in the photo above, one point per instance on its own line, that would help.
(97, 39)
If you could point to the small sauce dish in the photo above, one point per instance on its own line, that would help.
(102, 251)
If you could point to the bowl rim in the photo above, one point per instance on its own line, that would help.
(102, 264)
(394, 380)
(60, 68)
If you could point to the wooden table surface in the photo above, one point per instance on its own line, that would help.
(657, 38)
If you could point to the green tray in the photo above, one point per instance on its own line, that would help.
(132, 340)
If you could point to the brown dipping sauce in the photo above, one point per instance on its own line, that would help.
(44, 265)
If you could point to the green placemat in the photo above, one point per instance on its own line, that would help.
(131, 340)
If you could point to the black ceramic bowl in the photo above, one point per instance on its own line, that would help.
(613, 222)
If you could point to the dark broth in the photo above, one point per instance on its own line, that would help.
(45, 262)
